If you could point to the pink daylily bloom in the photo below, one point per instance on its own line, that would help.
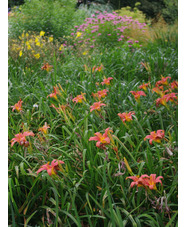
(145, 181)
(138, 181)
(144, 86)
(18, 106)
(153, 180)
(106, 81)
(137, 94)
(96, 106)
(51, 169)
(155, 136)
(163, 81)
(102, 139)
(126, 116)
(21, 138)
(79, 98)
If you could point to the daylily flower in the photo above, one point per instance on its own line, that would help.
(96, 106)
(51, 169)
(159, 90)
(18, 106)
(21, 138)
(99, 68)
(103, 93)
(44, 129)
(137, 94)
(168, 97)
(100, 94)
(155, 136)
(126, 116)
(163, 81)
(79, 98)
(144, 86)
(146, 181)
(106, 81)
(56, 92)
(153, 180)
(162, 100)
(139, 181)
(171, 97)
(102, 139)
(174, 85)
(47, 67)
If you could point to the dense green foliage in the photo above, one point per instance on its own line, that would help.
(90, 188)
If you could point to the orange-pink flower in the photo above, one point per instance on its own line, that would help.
(155, 136)
(55, 93)
(126, 116)
(51, 169)
(106, 81)
(21, 138)
(102, 139)
(153, 180)
(163, 81)
(146, 181)
(174, 85)
(99, 68)
(168, 97)
(47, 67)
(138, 181)
(159, 90)
(103, 93)
(97, 106)
(18, 106)
(137, 94)
(79, 98)
(144, 86)
(44, 129)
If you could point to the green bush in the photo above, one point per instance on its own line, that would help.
(54, 17)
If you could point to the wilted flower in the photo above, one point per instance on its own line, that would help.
(102, 139)
(51, 169)
(18, 106)
(155, 136)
(126, 116)
(96, 106)
(44, 129)
(21, 138)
